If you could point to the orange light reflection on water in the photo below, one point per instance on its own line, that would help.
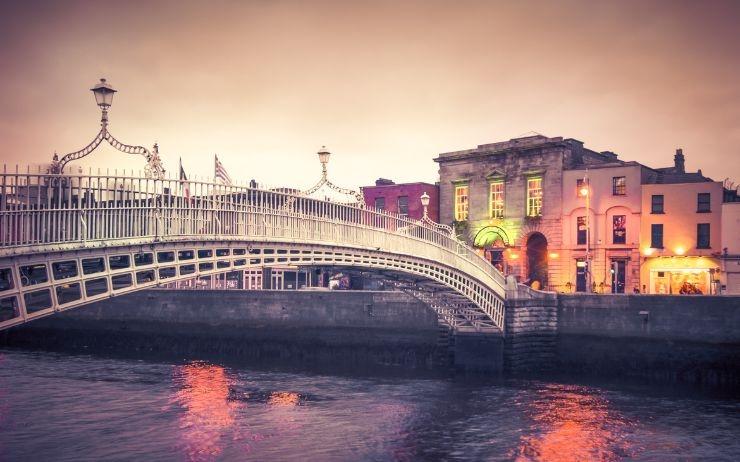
(284, 398)
(572, 424)
(204, 395)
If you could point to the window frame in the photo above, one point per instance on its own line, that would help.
(379, 199)
(623, 239)
(619, 189)
(496, 206)
(653, 204)
(581, 236)
(653, 241)
(398, 204)
(699, 243)
(707, 203)
(534, 201)
(461, 209)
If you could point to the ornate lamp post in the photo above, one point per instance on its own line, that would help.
(585, 192)
(324, 155)
(428, 221)
(103, 92)
(425, 203)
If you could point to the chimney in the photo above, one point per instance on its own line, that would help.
(609, 154)
(678, 161)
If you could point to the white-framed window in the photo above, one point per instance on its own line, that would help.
(461, 202)
(496, 199)
(534, 197)
(403, 206)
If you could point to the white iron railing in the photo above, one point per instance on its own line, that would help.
(48, 213)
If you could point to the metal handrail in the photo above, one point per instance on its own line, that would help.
(40, 212)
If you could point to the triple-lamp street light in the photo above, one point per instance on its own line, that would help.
(104, 92)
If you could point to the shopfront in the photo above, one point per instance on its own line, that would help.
(682, 275)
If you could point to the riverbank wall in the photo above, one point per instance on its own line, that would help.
(676, 338)
(311, 328)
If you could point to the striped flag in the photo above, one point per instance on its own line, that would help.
(220, 172)
(184, 183)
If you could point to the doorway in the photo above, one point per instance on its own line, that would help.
(581, 271)
(537, 259)
(618, 270)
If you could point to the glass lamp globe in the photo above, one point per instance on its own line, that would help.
(103, 92)
(425, 199)
(324, 155)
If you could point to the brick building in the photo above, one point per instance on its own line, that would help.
(403, 198)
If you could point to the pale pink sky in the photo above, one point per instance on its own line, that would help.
(385, 85)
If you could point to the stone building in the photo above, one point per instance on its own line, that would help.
(506, 199)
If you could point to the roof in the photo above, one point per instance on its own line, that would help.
(669, 175)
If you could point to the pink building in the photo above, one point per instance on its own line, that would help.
(403, 199)
(680, 232)
(610, 229)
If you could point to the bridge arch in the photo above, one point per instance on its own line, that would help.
(91, 239)
(49, 284)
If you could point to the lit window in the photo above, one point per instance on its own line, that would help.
(497, 199)
(534, 197)
(403, 206)
(619, 186)
(461, 202)
(619, 229)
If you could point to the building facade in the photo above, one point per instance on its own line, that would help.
(506, 200)
(681, 232)
(605, 239)
(730, 271)
(403, 199)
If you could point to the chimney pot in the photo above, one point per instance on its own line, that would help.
(678, 161)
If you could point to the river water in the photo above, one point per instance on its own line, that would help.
(59, 407)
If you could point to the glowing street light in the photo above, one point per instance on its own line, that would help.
(585, 192)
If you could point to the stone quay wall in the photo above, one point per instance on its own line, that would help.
(339, 328)
(677, 338)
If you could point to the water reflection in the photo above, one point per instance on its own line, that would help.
(571, 423)
(209, 414)
(284, 398)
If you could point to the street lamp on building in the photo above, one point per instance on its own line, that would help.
(103, 92)
(585, 192)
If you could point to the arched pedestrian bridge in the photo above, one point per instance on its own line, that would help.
(66, 241)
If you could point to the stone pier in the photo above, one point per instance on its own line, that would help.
(531, 326)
